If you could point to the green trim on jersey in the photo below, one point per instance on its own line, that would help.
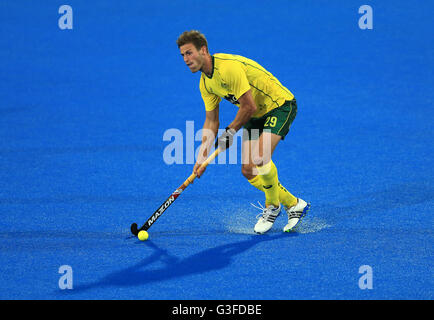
(213, 66)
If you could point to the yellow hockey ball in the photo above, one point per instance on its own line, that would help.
(143, 235)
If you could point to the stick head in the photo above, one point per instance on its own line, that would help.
(134, 229)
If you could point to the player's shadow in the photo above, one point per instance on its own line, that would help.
(205, 261)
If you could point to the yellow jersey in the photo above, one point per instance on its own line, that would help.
(234, 75)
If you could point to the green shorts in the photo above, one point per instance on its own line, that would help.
(276, 121)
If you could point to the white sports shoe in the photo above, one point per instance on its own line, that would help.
(295, 214)
(266, 218)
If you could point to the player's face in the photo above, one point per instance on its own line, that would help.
(193, 58)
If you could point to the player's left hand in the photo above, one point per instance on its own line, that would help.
(226, 139)
(198, 170)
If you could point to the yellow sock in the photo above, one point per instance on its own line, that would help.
(285, 197)
(270, 180)
(257, 183)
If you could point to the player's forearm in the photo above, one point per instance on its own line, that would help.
(244, 114)
(209, 132)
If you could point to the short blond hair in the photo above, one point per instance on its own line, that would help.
(193, 36)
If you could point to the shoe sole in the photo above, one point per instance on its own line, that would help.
(305, 211)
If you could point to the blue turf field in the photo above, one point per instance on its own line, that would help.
(82, 118)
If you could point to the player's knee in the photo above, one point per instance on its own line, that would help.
(247, 170)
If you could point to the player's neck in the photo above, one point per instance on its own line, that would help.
(208, 66)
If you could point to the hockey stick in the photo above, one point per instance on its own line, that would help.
(172, 198)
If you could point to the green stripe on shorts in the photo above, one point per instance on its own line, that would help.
(277, 121)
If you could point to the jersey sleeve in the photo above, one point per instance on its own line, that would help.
(236, 78)
(210, 100)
